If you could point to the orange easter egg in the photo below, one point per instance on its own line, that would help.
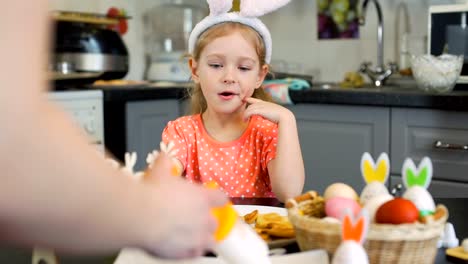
(397, 211)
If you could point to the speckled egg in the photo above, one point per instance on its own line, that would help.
(372, 190)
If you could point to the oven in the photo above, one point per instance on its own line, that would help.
(86, 107)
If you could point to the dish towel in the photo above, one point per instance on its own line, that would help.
(279, 89)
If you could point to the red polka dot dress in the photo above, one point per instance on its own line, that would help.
(239, 167)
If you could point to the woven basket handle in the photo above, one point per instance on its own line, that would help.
(441, 212)
(310, 195)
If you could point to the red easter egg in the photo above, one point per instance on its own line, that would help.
(397, 211)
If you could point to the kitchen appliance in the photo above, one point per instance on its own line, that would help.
(166, 39)
(86, 108)
(84, 49)
(448, 33)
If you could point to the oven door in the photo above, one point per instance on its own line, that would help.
(86, 108)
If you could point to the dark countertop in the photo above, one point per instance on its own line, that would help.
(385, 97)
(455, 100)
(142, 93)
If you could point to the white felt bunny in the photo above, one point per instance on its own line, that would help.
(375, 174)
(416, 181)
(167, 149)
(353, 232)
(130, 161)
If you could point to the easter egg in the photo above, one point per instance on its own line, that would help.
(397, 211)
(335, 207)
(350, 252)
(372, 190)
(339, 190)
(421, 198)
(374, 203)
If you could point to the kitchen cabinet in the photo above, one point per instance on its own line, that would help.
(145, 121)
(440, 189)
(333, 138)
(414, 133)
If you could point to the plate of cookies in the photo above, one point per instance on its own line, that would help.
(270, 223)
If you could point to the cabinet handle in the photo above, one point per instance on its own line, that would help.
(397, 189)
(441, 145)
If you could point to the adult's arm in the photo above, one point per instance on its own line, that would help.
(55, 189)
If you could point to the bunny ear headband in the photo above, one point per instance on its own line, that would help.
(249, 11)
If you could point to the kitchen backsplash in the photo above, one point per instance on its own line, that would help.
(295, 43)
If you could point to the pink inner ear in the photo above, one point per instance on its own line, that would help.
(351, 232)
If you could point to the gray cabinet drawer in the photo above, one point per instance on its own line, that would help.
(440, 189)
(145, 123)
(333, 138)
(413, 133)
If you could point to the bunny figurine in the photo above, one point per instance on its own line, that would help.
(416, 181)
(375, 174)
(353, 232)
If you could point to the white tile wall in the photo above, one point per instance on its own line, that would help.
(294, 33)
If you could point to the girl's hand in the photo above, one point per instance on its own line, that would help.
(271, 111)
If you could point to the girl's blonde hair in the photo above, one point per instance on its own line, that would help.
(197, 101)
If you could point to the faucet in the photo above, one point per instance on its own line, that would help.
(378, 75)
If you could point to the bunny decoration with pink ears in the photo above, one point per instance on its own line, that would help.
(249, 11)
(353, 232)
(416, 181)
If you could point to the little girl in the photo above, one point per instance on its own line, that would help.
(235, 137)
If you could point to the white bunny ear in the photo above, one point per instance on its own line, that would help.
(130, 161)
(256, 8)
(218, 7)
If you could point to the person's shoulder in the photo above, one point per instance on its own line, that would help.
(185, 121)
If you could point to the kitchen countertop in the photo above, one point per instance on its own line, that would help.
(125, 94)
(385, 97)
(455, 100)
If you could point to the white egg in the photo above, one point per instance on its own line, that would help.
(374, 203)
(350, 252)
(372, 190)
(421, 198)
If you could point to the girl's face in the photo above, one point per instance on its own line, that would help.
(228, 71)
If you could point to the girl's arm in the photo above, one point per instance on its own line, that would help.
(287, 169)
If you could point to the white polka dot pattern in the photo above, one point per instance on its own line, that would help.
(239, 167)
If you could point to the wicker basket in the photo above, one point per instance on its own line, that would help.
(405, 243)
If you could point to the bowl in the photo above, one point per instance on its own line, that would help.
(436, 73)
